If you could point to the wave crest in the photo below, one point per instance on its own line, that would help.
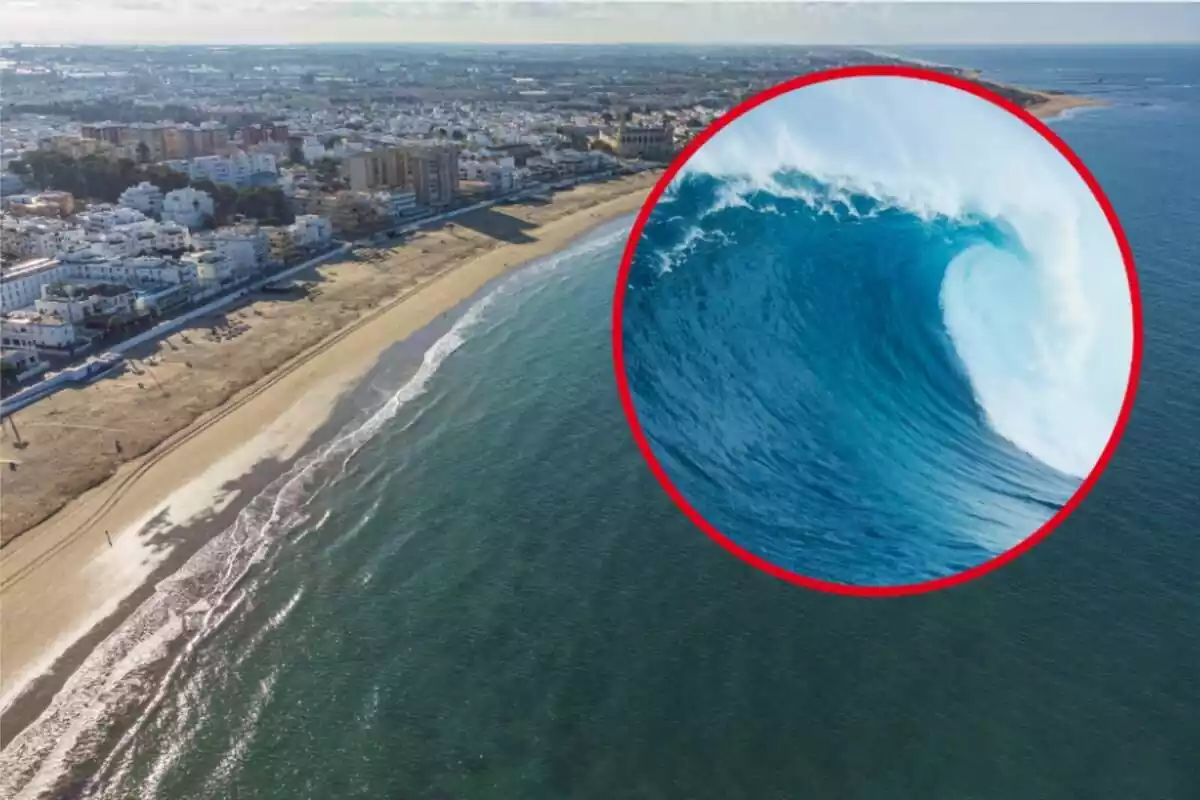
(1044, 324)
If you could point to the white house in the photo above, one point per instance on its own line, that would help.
(187, 207)
(500, 177)
(172, 237)
(246, 246)
(40, 237)
(210, 267)
(145, 197)
(99, 218)
(134, 271)
(234, 170)
(313, 149)
(156, 270)
(33, 330)
(22, 284)
(76, 302)
(310, 230)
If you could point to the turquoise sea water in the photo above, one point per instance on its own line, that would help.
(487, 595)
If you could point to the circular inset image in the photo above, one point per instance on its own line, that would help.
(877, 331)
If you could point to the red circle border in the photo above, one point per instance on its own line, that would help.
(832, 586)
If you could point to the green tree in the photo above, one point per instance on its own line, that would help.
(143, 153)
(328, 170)
(267, 204)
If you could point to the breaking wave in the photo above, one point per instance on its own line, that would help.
(884, 348)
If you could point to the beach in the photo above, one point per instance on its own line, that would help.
(1051, 105)
(179, 442)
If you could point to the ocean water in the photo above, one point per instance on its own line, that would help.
(865, 353)
(482, 592)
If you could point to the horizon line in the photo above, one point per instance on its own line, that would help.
(14, 44)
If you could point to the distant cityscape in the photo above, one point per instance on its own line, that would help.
(139, 182)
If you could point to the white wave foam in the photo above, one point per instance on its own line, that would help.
(1047, 347)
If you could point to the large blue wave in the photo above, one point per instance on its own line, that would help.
(806, 361)
(877, 330)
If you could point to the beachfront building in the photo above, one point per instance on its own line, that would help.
(398, 206)
(349, 212)
(500, 178)
(21, 364)
(29, 329)
(211, 267)
(131, 271)
(188, 207)
(428, 170)
(22, 283)
(281, 243)
(83, 302)
(246, 246)
(311, 231)
(433, 174)
(144, 197)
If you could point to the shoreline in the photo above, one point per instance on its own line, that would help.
(1054, 105)
(163, 507)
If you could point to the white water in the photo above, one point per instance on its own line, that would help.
(1046, 337)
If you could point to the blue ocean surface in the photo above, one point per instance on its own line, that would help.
(877, 331)
(482, 592)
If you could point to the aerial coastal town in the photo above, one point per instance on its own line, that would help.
(139, 182)
(158, 201)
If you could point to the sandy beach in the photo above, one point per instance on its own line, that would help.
(1052, 105)
(85, 520)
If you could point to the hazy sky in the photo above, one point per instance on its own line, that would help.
(508, 21)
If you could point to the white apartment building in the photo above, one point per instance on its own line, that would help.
(172, 237)
(156, 271)
(501, 178)
(139, 238)
(396, 205)
(188, 207)
(245, 246)
(310, 230)
(32, 330)
(100, 218)
(211, 267)
(75, 302)
(235, 170)
(145, 197)
(312, 149)
(135, 271)
(39, 237)
(21, 284)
